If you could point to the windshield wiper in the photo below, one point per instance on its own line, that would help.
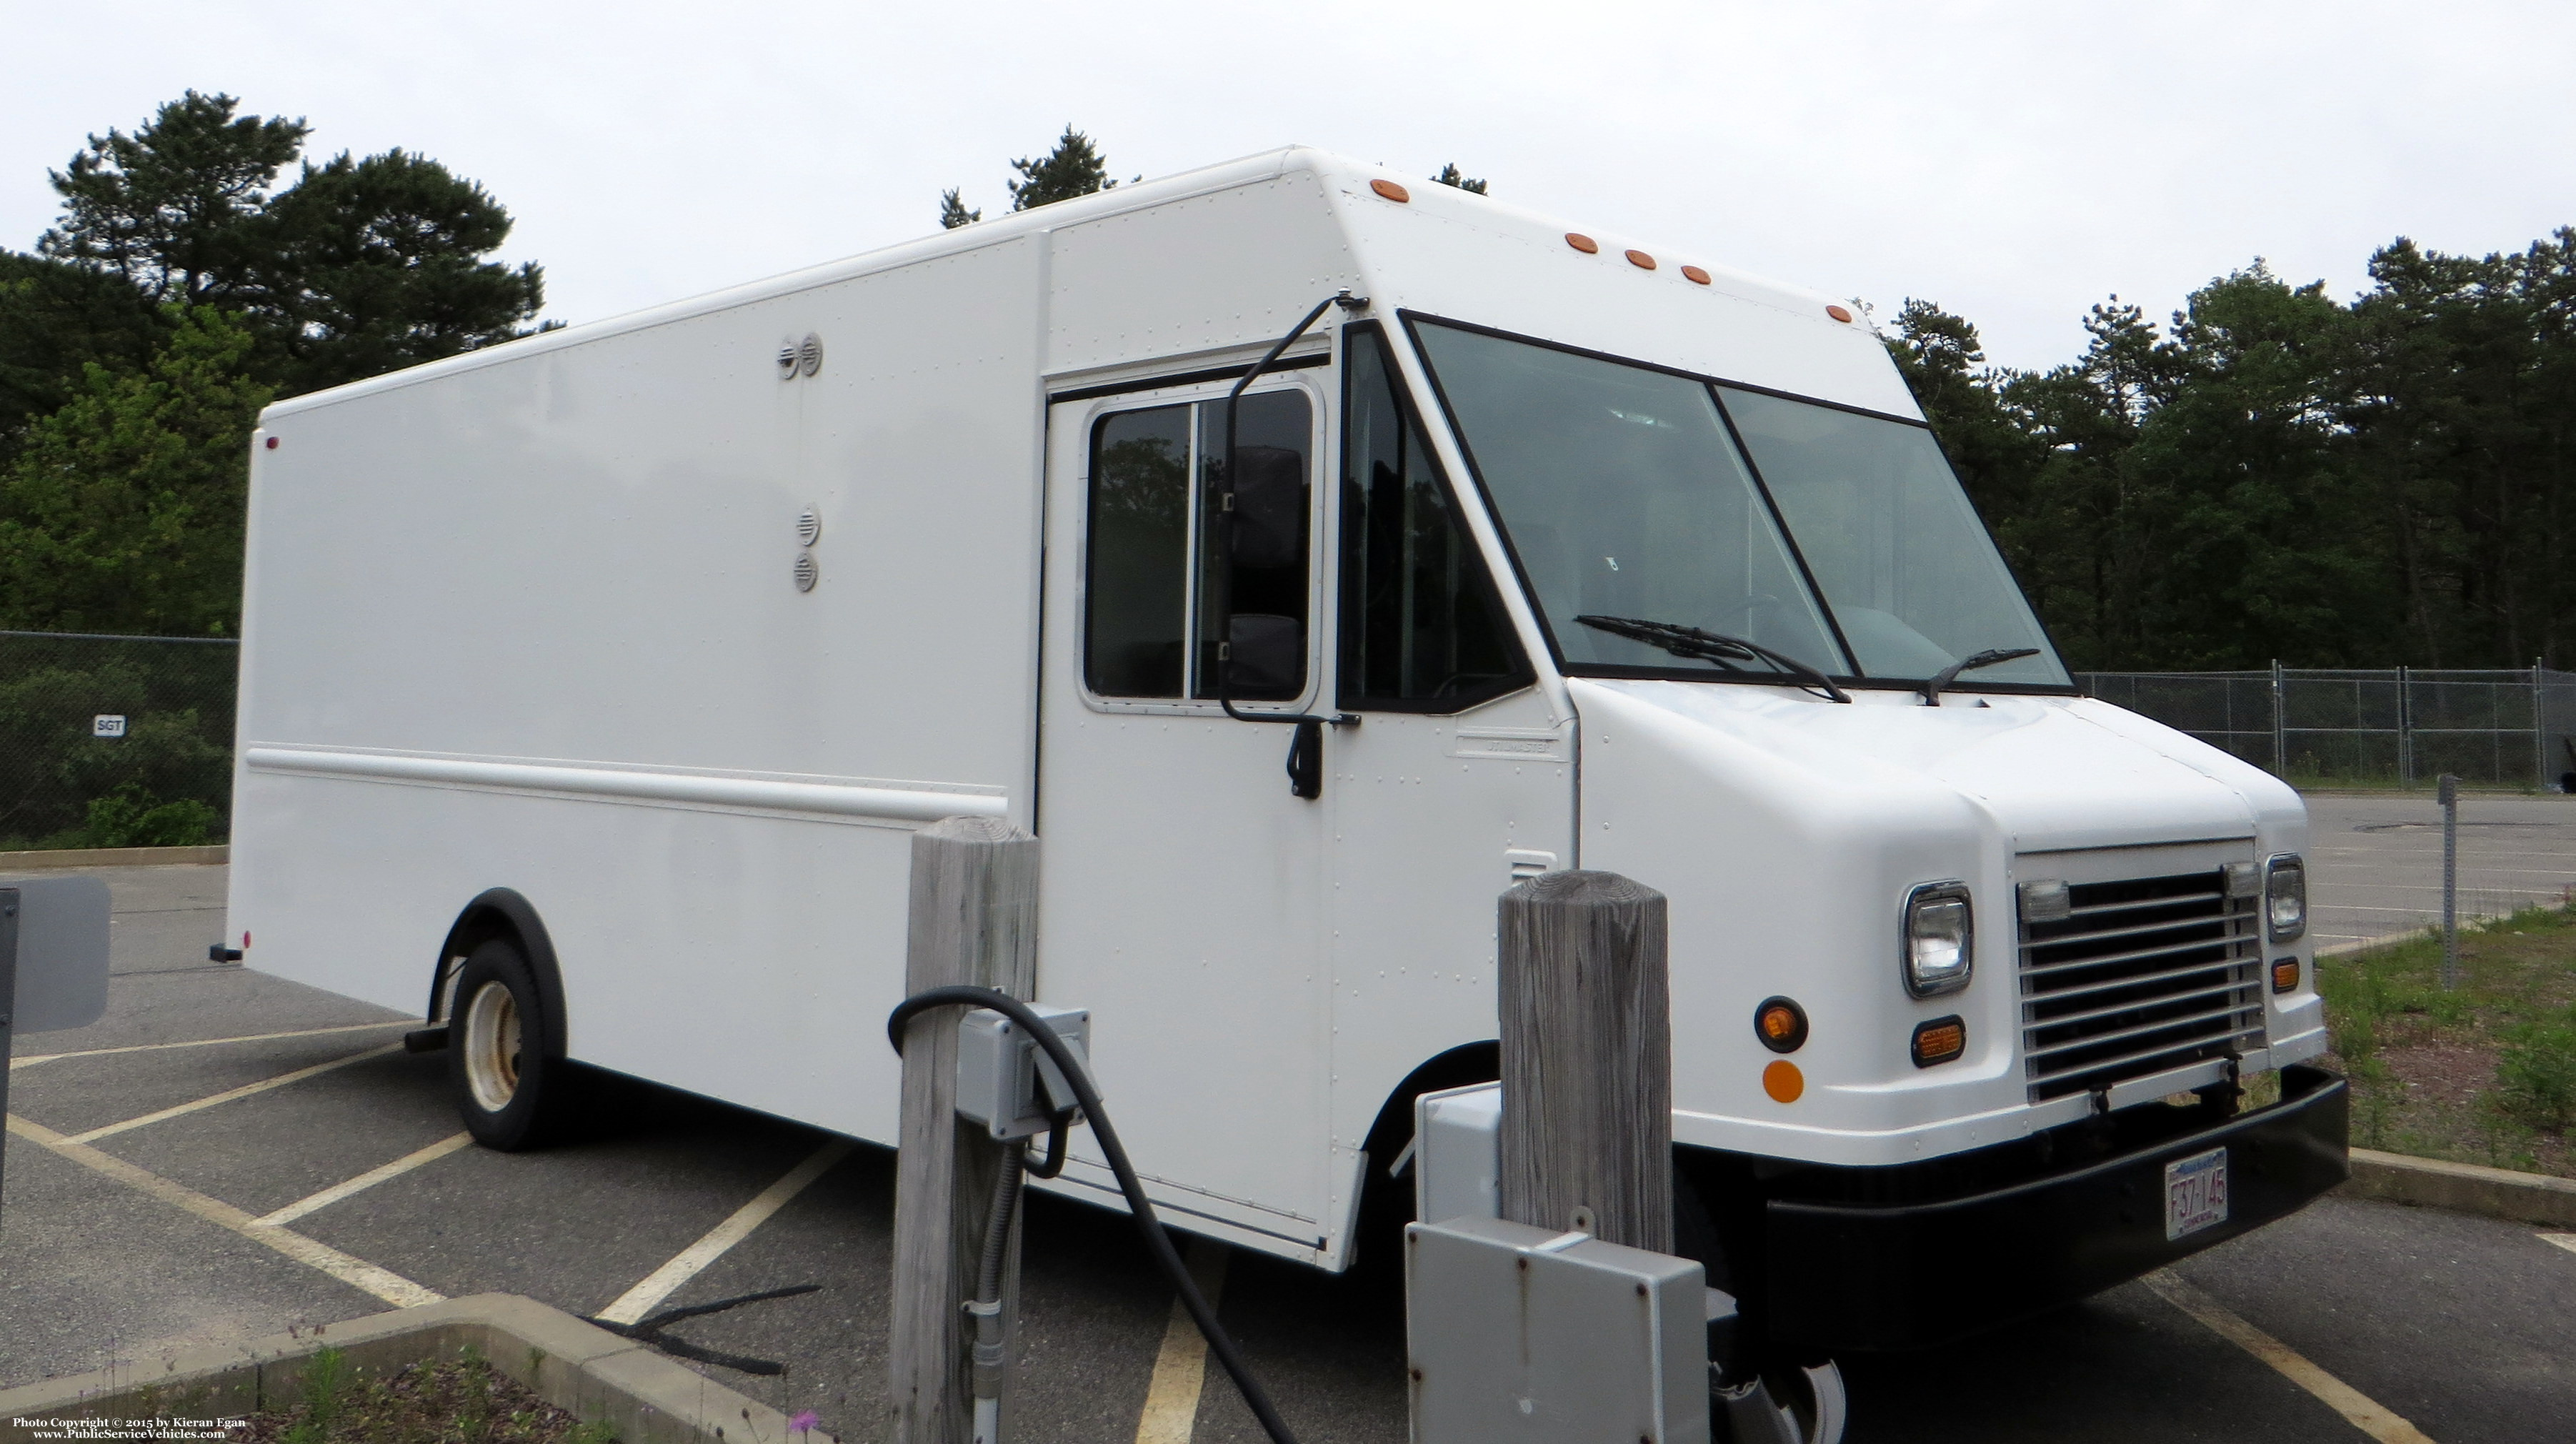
(1986, 658)
(1715, 647)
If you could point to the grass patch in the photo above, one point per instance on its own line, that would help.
(2484, 1073)
(460, 1401)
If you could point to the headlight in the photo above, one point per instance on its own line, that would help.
(1939, 939)
(2285, 896)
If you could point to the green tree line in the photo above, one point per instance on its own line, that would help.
(183, 288)
(2274, 473)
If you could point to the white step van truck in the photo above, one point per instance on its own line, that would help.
(592, 686)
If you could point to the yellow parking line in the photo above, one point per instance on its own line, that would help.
(229, 1094)
(29, 1062)
(660, 1284)
(315, 1203)
(2359, 1409)
(2566, 1241)
(349, 1269)
(1180, 1368)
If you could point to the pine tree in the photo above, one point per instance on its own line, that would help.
(360, 266)
(168, 207)
(367, 266)
(1450, 175)
(1074, 168)
(953, 212)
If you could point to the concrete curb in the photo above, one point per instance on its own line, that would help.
(47, 858)
(2462, 1188)
(645, 1397)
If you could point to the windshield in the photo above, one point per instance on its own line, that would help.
(1624, 494)
(1903, 561)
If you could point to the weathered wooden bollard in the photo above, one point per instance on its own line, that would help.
(1584, 993)
(973, 920)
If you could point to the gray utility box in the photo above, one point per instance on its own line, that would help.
(1457, 1152)
(1521, 1333)
(1001, 1070)
(53, 976)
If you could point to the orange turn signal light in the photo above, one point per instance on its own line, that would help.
(1940, 1040)
(2285, 974)
(1838, 313)
(1641, 260)
(1783, 1081)
(1391, 190)
(1583, 243)
(1695, 275)
(1781, 1025)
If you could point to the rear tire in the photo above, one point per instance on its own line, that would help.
(510, 1094)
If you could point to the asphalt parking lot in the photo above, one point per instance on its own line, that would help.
(146, 1165)
(2375, 862)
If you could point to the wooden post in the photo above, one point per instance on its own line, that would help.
(1587, 1138)
(973, 919)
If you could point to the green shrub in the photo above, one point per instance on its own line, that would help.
(2536, 1075)
(132, 817)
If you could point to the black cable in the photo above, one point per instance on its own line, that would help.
(1157, 1242)
(1059, 1123)
(649, 1330)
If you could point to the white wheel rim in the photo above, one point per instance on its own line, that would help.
(492, 1046)
(1826, 1405)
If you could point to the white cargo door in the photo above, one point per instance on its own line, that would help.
(1182, 897)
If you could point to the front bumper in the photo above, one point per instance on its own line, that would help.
(1850, 1277)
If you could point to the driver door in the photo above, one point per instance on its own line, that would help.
(1182, 894)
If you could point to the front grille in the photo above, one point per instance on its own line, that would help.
(2141, 976)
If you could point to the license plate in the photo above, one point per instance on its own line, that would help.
(2195, 1193)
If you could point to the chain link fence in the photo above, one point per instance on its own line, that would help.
(112, 741)
(109, 741)
(2397, 725)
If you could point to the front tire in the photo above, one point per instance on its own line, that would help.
(507, 1090)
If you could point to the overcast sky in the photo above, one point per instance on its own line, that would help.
(2013, 161)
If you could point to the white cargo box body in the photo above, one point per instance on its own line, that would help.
(531, 619)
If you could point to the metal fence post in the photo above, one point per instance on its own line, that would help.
(1587, 1135)
(2405, 732)
(2449, 795)
(2280, 726)
(973, 920)
(8, 996)
(2539, 725)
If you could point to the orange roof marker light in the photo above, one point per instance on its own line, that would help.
(1641, 260)
(1695, 275)
(1391, 191)
(1583, 243)
(1783, 1081)
(1838, 313)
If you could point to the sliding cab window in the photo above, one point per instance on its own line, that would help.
(1422, 627)
(1160, 580)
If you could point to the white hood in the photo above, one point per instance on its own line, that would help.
(2054, 773)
